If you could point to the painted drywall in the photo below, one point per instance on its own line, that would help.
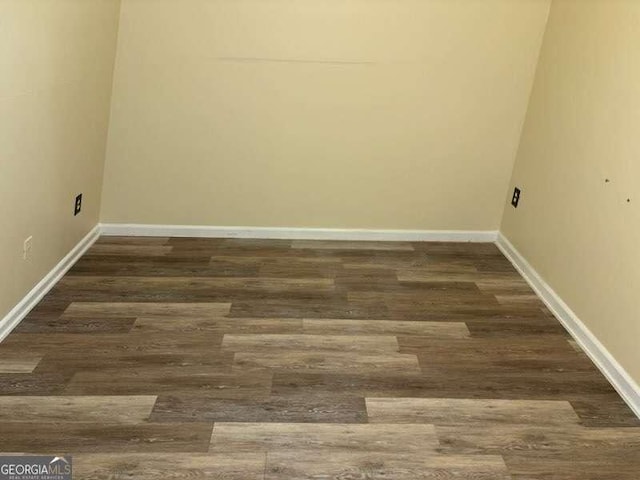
(576, 228)
(399, 114)
(56, 63)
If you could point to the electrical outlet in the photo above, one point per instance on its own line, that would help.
(516, 197)
(26, 248)
(78, 205)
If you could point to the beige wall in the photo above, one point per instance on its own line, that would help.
(56, 61)
(336, 113)
(582, 128)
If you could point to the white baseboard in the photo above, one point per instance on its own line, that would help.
(15, 316)
(608, 365)
(298, 233)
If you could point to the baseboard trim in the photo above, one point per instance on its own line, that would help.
(608, 365)
(15, 316)
(140, 230)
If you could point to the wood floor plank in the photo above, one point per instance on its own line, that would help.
(504, 285)
(126, 249)
(340, 245)
(372, 384)
(530, 299)
(160, 266)
(435, 267)
(389, 327)
(379, 466)
(421, 275)
(87, 344)
(74, 409)
(197, 284)
(292, 408)
(19, 363)
(512, 383)
(305, 307)
(508, 328)
(325, 439)
(324, 361)
(76, 325)
(131, 309)
(448, 411)
(227, 466)
(505, 438)
(459, 249)
(284, 342)
(129, 359)
(299, 267)
(611, 464)
(544, 451)
(604, 410)
(100, 437)
(262, 243)
(220, 325)
(51, 383)
(367, 278)
(124, 240)
(430, 297)
(543, 352)
(212, 382)
(283, 260)
(460, 383)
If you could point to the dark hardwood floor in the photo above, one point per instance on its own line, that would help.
(173, 358)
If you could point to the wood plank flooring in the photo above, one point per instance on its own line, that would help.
(172, 358)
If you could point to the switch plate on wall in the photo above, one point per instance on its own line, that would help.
(516, 197)
(78, 205)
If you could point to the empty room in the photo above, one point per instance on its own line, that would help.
(320, 239)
